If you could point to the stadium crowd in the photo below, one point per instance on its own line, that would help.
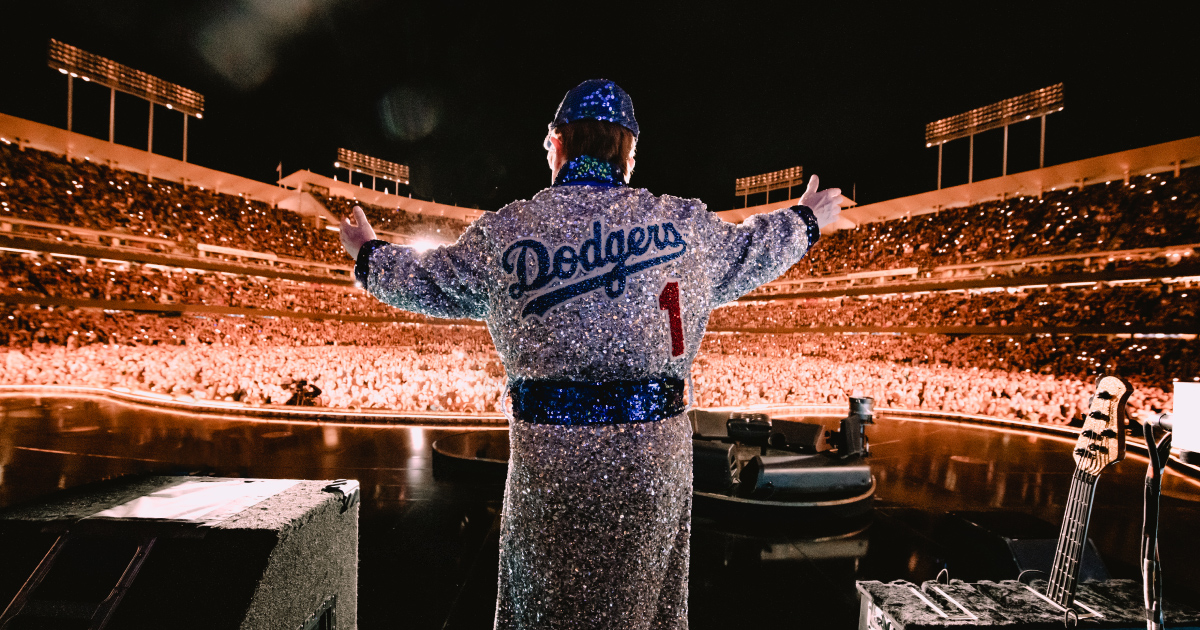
(1151, 305)
(40, 186)
(47, 187)
(444, 229)
(420, 367)
(414, 367)
(1074, 220)
(1118, 307)
(59, 277)
(252, 359)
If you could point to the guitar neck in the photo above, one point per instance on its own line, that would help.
(1064, 574)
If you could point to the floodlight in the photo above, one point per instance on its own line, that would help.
(1036, 103)
(77, 62)
(1040, 103)
(767, 182)
(375, 167)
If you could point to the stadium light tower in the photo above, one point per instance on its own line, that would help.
(1011, 110)
(75, 62)
(355, 162)
(788, 177)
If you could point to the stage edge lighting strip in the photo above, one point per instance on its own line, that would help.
(766, 182)
(1037, 103)
(68, 59)
(373, 166)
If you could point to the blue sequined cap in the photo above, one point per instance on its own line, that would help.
(597, 99)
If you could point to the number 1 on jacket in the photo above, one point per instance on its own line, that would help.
(668, 301)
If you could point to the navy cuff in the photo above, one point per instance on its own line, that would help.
(362, 265)
(810, 221)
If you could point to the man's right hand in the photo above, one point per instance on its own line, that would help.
(356, 231)
(825, 204)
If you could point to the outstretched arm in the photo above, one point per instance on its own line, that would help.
(446, 281)
(764, 246)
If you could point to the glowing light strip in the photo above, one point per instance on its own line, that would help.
(77, 62)
(58, 452)
(1036, 103)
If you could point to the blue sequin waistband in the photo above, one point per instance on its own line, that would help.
(609, 402)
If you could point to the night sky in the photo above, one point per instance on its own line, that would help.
(462, 92)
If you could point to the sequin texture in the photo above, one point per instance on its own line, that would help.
(611, 402)
(596, 521)
(596, 527)
(586, 169)
(597, 99)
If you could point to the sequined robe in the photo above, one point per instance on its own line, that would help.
(581, 283)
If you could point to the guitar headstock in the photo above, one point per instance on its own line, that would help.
(1102, 441)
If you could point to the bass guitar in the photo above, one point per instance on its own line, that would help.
(1100, 445)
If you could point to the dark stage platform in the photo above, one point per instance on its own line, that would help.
(428, 547)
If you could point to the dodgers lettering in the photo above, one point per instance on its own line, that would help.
(530, 262)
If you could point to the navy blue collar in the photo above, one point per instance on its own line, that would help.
(586, 170)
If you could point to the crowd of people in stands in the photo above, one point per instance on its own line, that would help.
(1155, 262)
(1145, 306)
(421, 367)
(47, 187)
(436, 228)
(40, 186)
(60, 277)
(256, 360)
(1074, 220)
(38, 326)
(1119, 308)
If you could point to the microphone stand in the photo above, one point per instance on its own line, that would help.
(1159, 451)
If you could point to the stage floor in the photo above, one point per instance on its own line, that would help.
(428, 547)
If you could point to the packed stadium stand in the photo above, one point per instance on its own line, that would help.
(1148, 211)
(1155, 306)
(442, 228)
(39, 186)
(1147, 305)
(116, 279)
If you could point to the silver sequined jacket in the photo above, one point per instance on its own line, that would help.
(591, 283)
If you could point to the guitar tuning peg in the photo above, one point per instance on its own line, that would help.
(1098, 448)
(1103, 395)
(1083, 452)
(1099, 415)
(1108, 433)
(1088, 433)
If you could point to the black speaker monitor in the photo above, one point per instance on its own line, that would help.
(184, 552)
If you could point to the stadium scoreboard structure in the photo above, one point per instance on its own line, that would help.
(76, 62)
(765, 183)
(1038, 103)
(355, 162)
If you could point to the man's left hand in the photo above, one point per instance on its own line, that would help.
(355, 232)
(825, 204)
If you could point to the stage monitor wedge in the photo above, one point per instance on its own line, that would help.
(184, 552)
